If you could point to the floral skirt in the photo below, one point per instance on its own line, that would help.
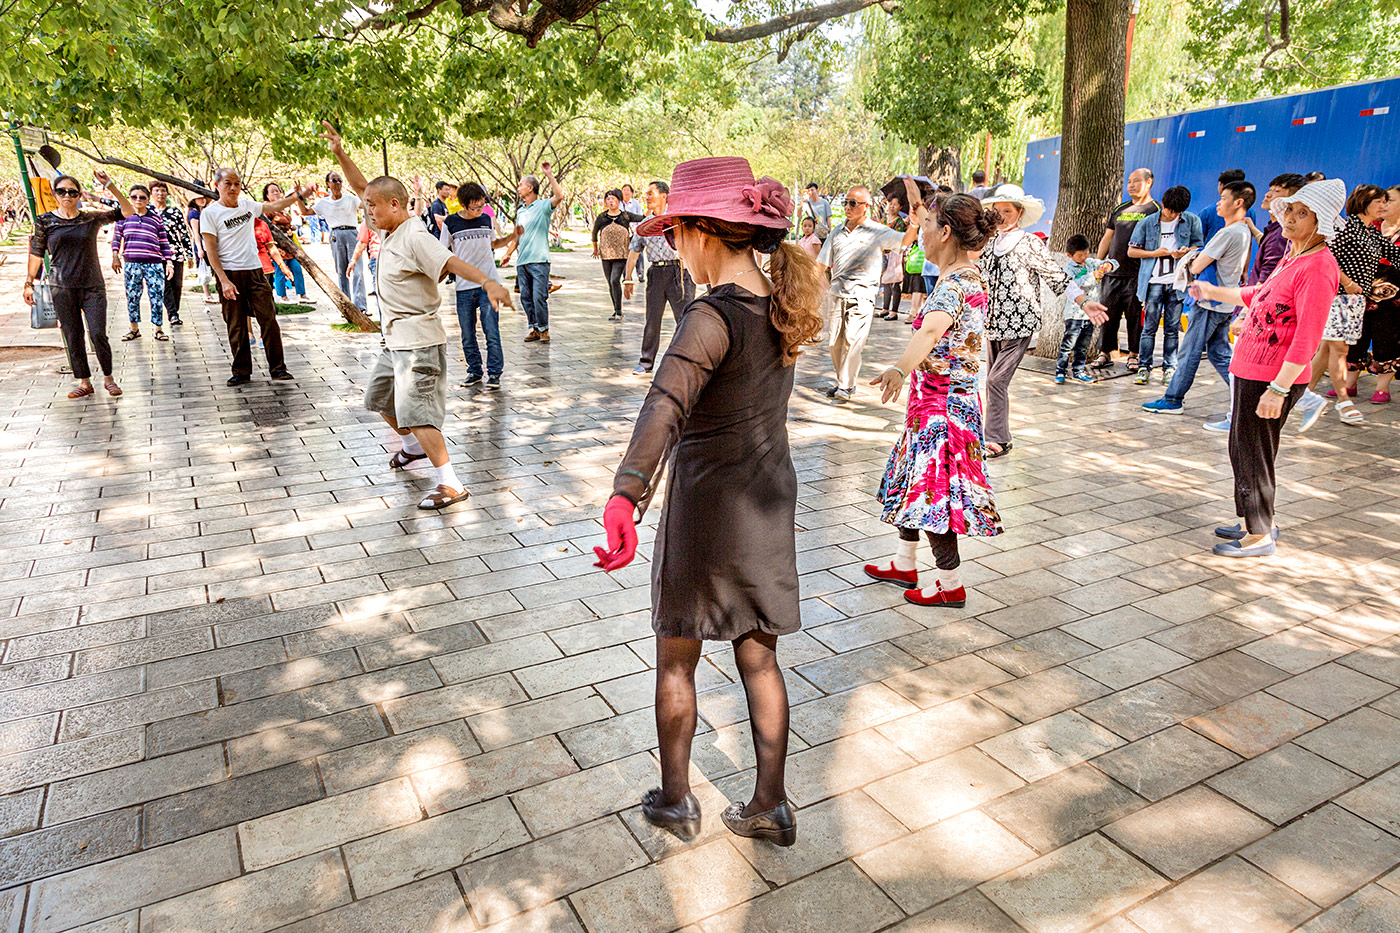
(935, 480)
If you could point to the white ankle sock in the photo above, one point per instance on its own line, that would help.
(411, 445)
(949, 579)
(448, 476)
(904, 555)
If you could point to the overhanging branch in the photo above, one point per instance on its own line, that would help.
(811, 16)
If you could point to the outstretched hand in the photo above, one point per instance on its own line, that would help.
(332, 137)
(621, 526)
(1095, 311)
(499, 295)
(890, 382)
(102, 178)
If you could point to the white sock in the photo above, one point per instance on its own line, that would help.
(904, 555)
(411, 445)
(949, 579)
(448, 476)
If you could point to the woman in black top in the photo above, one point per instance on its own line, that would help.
(724, 565)
(612, 233)
(69, 237)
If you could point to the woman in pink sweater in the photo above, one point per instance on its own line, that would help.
(1278, 334)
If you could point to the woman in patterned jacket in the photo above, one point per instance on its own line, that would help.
(1014, 265)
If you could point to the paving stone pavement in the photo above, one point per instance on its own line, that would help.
(247, 686)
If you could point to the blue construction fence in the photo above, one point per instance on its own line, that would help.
(1351, 132)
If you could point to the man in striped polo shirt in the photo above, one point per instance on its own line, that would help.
(141, 253)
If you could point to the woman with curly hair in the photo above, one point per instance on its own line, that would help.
(725, 560)
(935, 481)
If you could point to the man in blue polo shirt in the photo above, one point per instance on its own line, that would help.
(532, 236)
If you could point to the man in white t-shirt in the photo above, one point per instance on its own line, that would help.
(226, 227)
(341, 213)
(408, 386)
(854, 254)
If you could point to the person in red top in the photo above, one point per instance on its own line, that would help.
(262, 234)
(1278, 334)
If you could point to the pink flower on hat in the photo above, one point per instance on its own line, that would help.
(769, 196)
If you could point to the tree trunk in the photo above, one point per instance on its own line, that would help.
(342, 303)
(942, 165)
(1091, 135)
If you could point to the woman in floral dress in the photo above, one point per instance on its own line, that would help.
(935, 481)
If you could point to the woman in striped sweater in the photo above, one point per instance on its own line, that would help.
(141, 253)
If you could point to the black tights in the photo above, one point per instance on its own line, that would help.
(612, 270)
(756, 656)
(944, 544)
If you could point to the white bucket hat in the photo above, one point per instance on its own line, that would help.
(1031, 208)
(1325, 198)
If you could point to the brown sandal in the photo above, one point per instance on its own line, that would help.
(131, 335)
(402, 459)
(113, 389)
(161, 335)
(81, 392)
(441, 498)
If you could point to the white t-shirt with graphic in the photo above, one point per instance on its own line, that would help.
(1164, 272)
(232, 228)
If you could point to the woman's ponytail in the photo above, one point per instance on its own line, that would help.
(795, 308)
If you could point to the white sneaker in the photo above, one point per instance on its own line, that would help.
(1219, 427)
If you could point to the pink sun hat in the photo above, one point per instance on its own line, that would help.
(722, 187)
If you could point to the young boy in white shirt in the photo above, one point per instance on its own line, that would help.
(408, 386)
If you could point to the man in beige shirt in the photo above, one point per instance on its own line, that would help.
(408, 386)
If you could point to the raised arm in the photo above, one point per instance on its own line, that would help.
(556, 190)
(105, 181)
(353, 176)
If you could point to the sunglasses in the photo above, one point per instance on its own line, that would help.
(852, 202)
(669, 234)
(139, 197)
(67, 192)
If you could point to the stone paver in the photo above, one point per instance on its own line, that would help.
(245, 684)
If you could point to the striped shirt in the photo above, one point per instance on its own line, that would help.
(141, 238)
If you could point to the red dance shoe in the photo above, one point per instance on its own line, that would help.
(889, 575)
(954, 599)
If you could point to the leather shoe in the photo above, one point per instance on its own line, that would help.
(682, 819)
(238, 380)
(954, 599)
(778, 825)
(890, 575)
(1236, 531)
(1235, 549)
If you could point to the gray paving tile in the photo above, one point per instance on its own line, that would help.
(1326, 855)
(1284, 783)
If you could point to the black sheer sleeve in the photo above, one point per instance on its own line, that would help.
(598, 225)
(698, 347)
(634, 218)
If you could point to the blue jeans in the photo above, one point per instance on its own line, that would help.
(1075, 344)
(280, 281)
(1208, 331)
(469, 300)
(534, 293)
(351, 281)
(1163, 304)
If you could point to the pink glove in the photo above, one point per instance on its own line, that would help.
(621, 525)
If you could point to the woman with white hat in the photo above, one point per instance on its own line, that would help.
(724, 566)
(1015, 264)
(1279, 332)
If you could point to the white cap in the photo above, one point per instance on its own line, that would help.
(1325, 198)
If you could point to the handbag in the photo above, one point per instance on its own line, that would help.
(43, 314)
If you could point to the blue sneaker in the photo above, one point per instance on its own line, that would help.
(1082, 375)
(1059, 379)
(1163, 407)
(1219, 427)
(1232, 549)
(1312, 407)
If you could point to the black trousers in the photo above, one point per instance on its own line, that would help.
(254, 300)
(1119, 295)
(944, 544)
(668, 282)
(173, 287)
(74, 307)
(613, 269)
(1253, 449)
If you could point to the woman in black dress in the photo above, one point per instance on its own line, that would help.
(612, 236)
(69, 236)
(725, 560)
